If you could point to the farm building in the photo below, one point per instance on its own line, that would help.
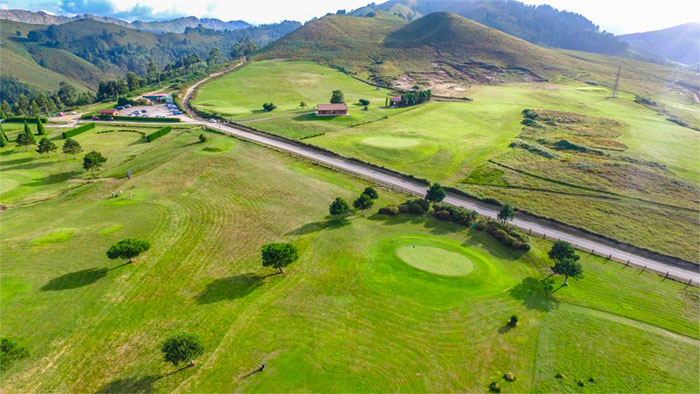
(159, 97)
(109, 112)
(331, 109)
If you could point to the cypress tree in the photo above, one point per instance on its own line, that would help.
(40, 126)
(29, 133)
(3, 138)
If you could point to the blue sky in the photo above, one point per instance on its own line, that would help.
(617, 16)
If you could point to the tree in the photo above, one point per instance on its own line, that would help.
(72, 147)
(364, 102)
(181, 348)
(243, 47)
(363, 202)
(40, 127)
(3, 137)
(66, 92)
(565, 260)
(278, 255)
(132, 81)
(371, 192)
(46, 146)
(128, 248)
(303, 104)
(339, 207)
(93, 161)
(24, 140)
(337, 97)
(6, 109)
(436, 193)
(214, 56)
(506, 213)
(9, 352)
(267, 107)
(28, 132)
(202, 138)
(152, 73)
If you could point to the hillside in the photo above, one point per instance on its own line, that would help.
(679, 43)
(85, 51)
(447, 49)
(541, 25)
(177, 25)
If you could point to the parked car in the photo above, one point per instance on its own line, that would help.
(110, 118)
(127, 106)
(120, 107)
(61, 114)
(143, 111)
(95, 117)
(212, 120)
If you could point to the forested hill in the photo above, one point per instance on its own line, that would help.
(541, 25)
(83, 52)
(679, 43)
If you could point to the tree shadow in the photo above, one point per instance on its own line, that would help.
(313, 227)
(74, 280)
(15, 161)
(505, 329)
(54, 178)
(231, 288)
(135, 385)
(494, 247)
(535, 294)
(401, 218)
(30, 166)
(311, 117)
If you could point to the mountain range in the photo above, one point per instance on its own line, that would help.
(177, 25)
(680, 44)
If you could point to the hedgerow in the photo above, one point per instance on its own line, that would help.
(159, 133)
(77, 130)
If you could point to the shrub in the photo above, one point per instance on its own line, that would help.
(513, 322)
(510, 376)
(390, 210)
(455, 214)
(77, 130)
(529, 122)
(530, 114)
(494, 387)
(182, 347)
(267, 107)
(416, 208)
(364, 102)
(9, 352)
(202, 138)
(507, 236)
(158, 133)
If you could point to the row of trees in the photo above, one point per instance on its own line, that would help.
(339, 208)
(44, 103)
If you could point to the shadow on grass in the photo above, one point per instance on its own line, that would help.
(401, 218)
(77, 279)
(135, 385)
(492, 245)
(54, 178)
(29, 166)
(16, 161)
(231, 288)
(505, 329)
(313, 227)
(311, 117)
(535, 294)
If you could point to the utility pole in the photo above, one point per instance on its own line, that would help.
(617, 81)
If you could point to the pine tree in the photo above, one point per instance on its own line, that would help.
(40, 126)
(46, 146)
(29, 133)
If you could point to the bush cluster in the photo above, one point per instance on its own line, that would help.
(390, 210)
(455, 214)
(159, 133)
(507, 236)
(77, 130)
(530, 114)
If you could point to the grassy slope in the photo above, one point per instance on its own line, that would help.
(348, 316)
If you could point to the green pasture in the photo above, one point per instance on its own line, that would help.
(450, 142)
(358, 312)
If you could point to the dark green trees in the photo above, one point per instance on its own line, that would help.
(436, 193)
(506, 213)
(339, 207)
(26, 137)
(565, 261)
(93, 161)
(9, 352)
(267, 107)
(278, 255)
(72, 147)
(337, 97)
(363, 202)
(181, 348)
(40, 129)
(364, 102)
(46, 146)
(128, 248)
(371, 192)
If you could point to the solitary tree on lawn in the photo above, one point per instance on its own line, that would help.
(565, 261)
(24, 140)
(181, 348)
(363, 202)
(436, 193)
(93, 160)
(128, 248)
(278, 255)
(46, 146)
(506, 213)
(339, 207)
(72, 147)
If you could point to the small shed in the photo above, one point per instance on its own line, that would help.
(109, 112)
(331, 109)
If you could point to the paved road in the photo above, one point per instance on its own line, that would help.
(366, 171)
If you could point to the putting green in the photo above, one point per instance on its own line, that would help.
(391, 142)
(435, 260)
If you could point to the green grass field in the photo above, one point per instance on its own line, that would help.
(353, 314)
(455, 142)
